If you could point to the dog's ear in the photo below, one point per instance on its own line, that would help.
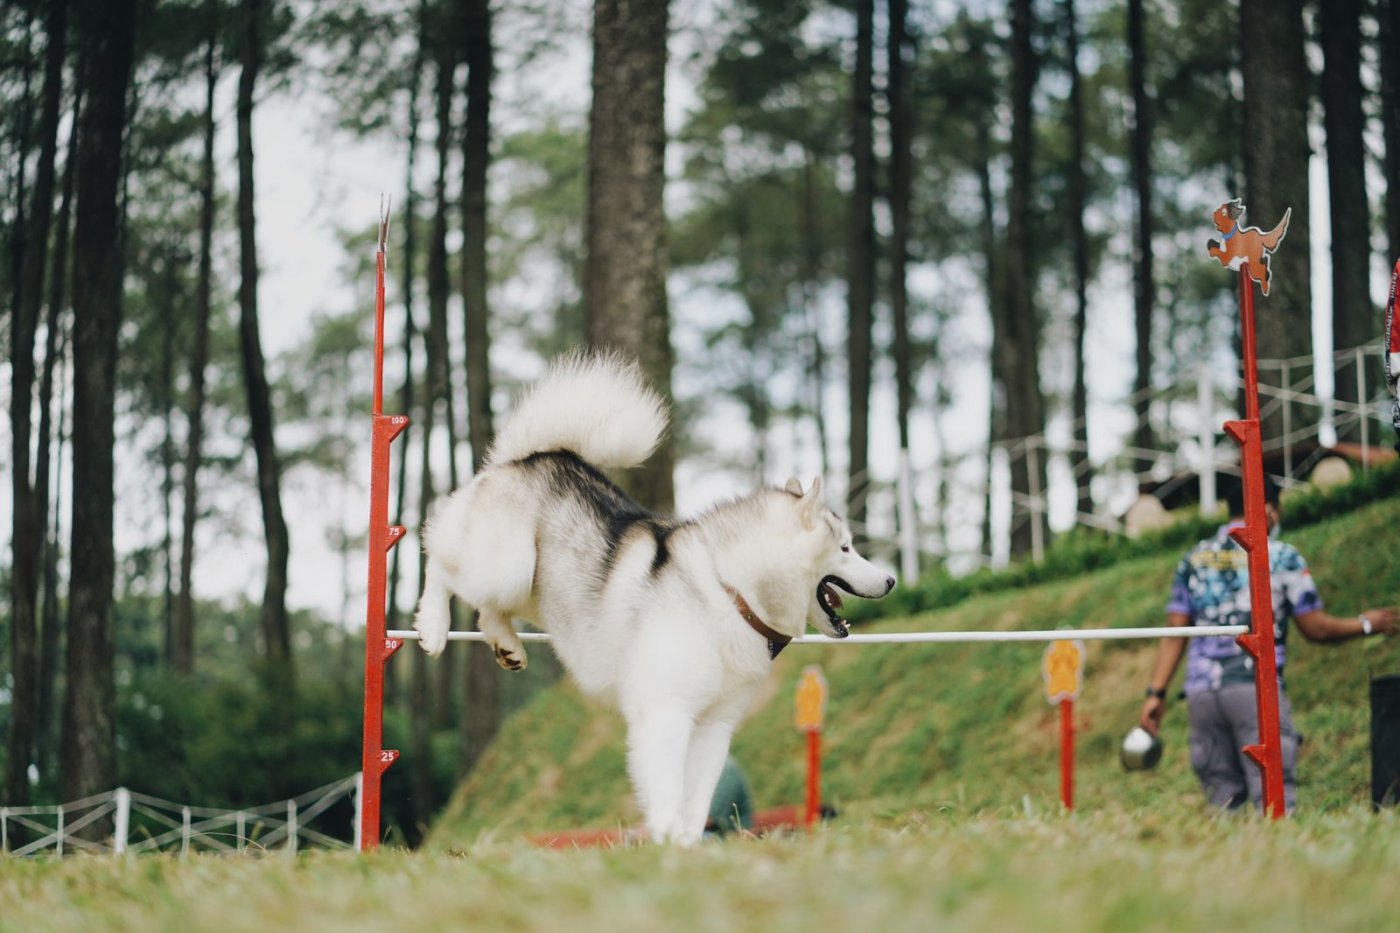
(793, 485)
(811, 501)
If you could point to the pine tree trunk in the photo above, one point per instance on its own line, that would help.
(860, 267)
(901, 52)
(476, 157)
(274, 625)
(24, 570)
(106, 39)
(49, 643)
(752, 391)
(182, 641)
(1388, 15)
(1353, 317)
(1025, 404)
(56, 352)
(901, 184)
(811, 269)
(423, 712)
(408, 220)
(625, 304)
(1079, 460)
(435, 342)
(481, 715)
(166, 393)
(40, 221)
(27, 521)
(1143, 287)
(996, 302)
(1276, 175)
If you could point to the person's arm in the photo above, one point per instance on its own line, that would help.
(1169, 652)
(1319, 626)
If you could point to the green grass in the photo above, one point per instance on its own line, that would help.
(1109, 870)
(942, 762)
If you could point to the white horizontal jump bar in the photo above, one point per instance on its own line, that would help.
(410, 635)
(907, 638)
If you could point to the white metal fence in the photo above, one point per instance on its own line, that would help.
(1187, 421)
(142, 823)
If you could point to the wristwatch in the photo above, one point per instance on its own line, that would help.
(1154, 692)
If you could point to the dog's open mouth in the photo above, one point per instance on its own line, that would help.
(830, 601)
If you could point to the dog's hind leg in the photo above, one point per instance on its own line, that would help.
(657, 740)
(510, 651)
(704, 761)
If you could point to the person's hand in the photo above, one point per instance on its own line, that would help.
(1384, 621)
(1151, 717)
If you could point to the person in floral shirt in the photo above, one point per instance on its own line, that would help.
(1211, 587)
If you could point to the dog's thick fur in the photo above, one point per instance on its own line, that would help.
(1240, 245)
(645, 611)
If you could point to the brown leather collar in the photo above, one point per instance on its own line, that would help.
(776, 641)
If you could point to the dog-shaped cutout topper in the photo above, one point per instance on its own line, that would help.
(1246, 245)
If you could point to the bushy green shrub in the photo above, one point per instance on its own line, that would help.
(231, 742)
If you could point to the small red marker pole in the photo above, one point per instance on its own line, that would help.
(811, 710)
(1062, 667)
(814, 778)
(1067, 753)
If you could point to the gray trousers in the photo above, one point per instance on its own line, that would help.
(1223, 722)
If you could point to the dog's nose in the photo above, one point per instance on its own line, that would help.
(889, 584)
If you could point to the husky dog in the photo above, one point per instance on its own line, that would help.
(674, 621)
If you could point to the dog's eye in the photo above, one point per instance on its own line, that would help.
(845, 549)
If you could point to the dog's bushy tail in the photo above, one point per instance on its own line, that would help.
(593, 404)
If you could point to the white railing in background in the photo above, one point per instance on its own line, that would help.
(163, 826)
(1189, 436)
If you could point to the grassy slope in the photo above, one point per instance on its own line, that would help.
(964, 730)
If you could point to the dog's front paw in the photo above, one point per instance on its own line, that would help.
(431, 638)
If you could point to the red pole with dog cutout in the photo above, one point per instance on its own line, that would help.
(375, 759)
(1239, 248)
(1254, 538)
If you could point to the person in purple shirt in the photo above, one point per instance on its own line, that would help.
(1211, 587)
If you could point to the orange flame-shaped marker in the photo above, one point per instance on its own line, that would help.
(1063, 667)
